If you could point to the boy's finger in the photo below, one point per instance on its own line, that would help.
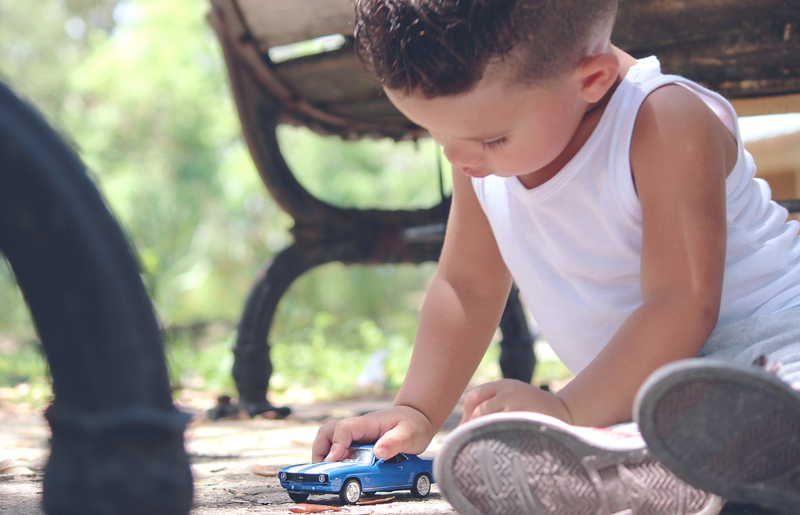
(391, 443)
(476, 397)
(340, 441)
(487, 407)
(322, 443)
(345, 432)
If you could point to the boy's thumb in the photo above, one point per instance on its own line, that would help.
(390, 444)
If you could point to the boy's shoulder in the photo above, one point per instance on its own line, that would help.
(673, 103)
(674, 121)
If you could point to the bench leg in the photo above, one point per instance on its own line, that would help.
(517, 359)
(117, 444)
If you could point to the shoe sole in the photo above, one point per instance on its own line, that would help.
(522, 463)
(727, 428)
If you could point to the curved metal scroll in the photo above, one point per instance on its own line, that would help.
(117, 445)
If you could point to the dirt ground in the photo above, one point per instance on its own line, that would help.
(225, 456)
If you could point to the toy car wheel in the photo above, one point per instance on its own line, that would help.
(351, 491)
(298, 497)
(422, 486)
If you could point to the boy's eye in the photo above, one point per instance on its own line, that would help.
(495, 143)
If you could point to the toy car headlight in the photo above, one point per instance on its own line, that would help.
(283, 476)
(322, 478)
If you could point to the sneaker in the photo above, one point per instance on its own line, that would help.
(728, 428)
(527, 463)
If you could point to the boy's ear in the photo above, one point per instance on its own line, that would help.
(595, 75)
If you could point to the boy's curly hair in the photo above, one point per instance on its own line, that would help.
(442, 47)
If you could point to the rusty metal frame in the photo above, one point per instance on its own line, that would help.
(323, 233)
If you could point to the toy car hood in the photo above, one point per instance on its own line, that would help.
(325, 467)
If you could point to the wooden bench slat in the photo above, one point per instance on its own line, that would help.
(333, 77)
(281, 22)
(378, 109)
(740, 48)
(767, 105)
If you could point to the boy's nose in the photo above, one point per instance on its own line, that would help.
(464, 155)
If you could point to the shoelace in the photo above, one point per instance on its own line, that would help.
(773, 368)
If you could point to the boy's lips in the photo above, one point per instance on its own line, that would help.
(477, 174)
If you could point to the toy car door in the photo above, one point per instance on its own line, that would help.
(392, 473)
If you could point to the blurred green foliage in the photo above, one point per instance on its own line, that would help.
(140, 89)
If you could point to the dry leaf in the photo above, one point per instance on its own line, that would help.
(9, 467)
(261, 470)
(19, 471)
(313, 508)
(376, 500)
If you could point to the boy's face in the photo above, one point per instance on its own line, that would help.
(499, 127)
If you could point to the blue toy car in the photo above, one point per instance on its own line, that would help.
(359, 472)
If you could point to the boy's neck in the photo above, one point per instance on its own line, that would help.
(587, 125)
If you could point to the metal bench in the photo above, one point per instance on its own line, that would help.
(748, 51)
(117, 444)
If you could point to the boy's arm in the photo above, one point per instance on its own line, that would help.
(681, 154)
(459, 317)
(461, 311)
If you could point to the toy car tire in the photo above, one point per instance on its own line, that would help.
(422, 486)
(350, 492)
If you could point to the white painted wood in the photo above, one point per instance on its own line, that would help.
(280, 22)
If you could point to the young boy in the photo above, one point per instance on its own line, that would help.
(623, 204)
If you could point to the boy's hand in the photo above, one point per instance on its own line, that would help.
(512, 395)
(400, 429)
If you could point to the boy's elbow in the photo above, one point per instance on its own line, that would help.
(485, 291)
(702, 307)
(698, 311)
(709, 313)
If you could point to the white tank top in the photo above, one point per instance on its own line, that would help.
(574, 244)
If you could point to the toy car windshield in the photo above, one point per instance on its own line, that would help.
(359, 455)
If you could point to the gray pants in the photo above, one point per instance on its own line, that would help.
(776, 336)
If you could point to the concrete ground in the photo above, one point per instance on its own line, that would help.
(234, 462)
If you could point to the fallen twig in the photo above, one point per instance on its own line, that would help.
(313, 508)
(377, 500)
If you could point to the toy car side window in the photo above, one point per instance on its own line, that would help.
(396, 459)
